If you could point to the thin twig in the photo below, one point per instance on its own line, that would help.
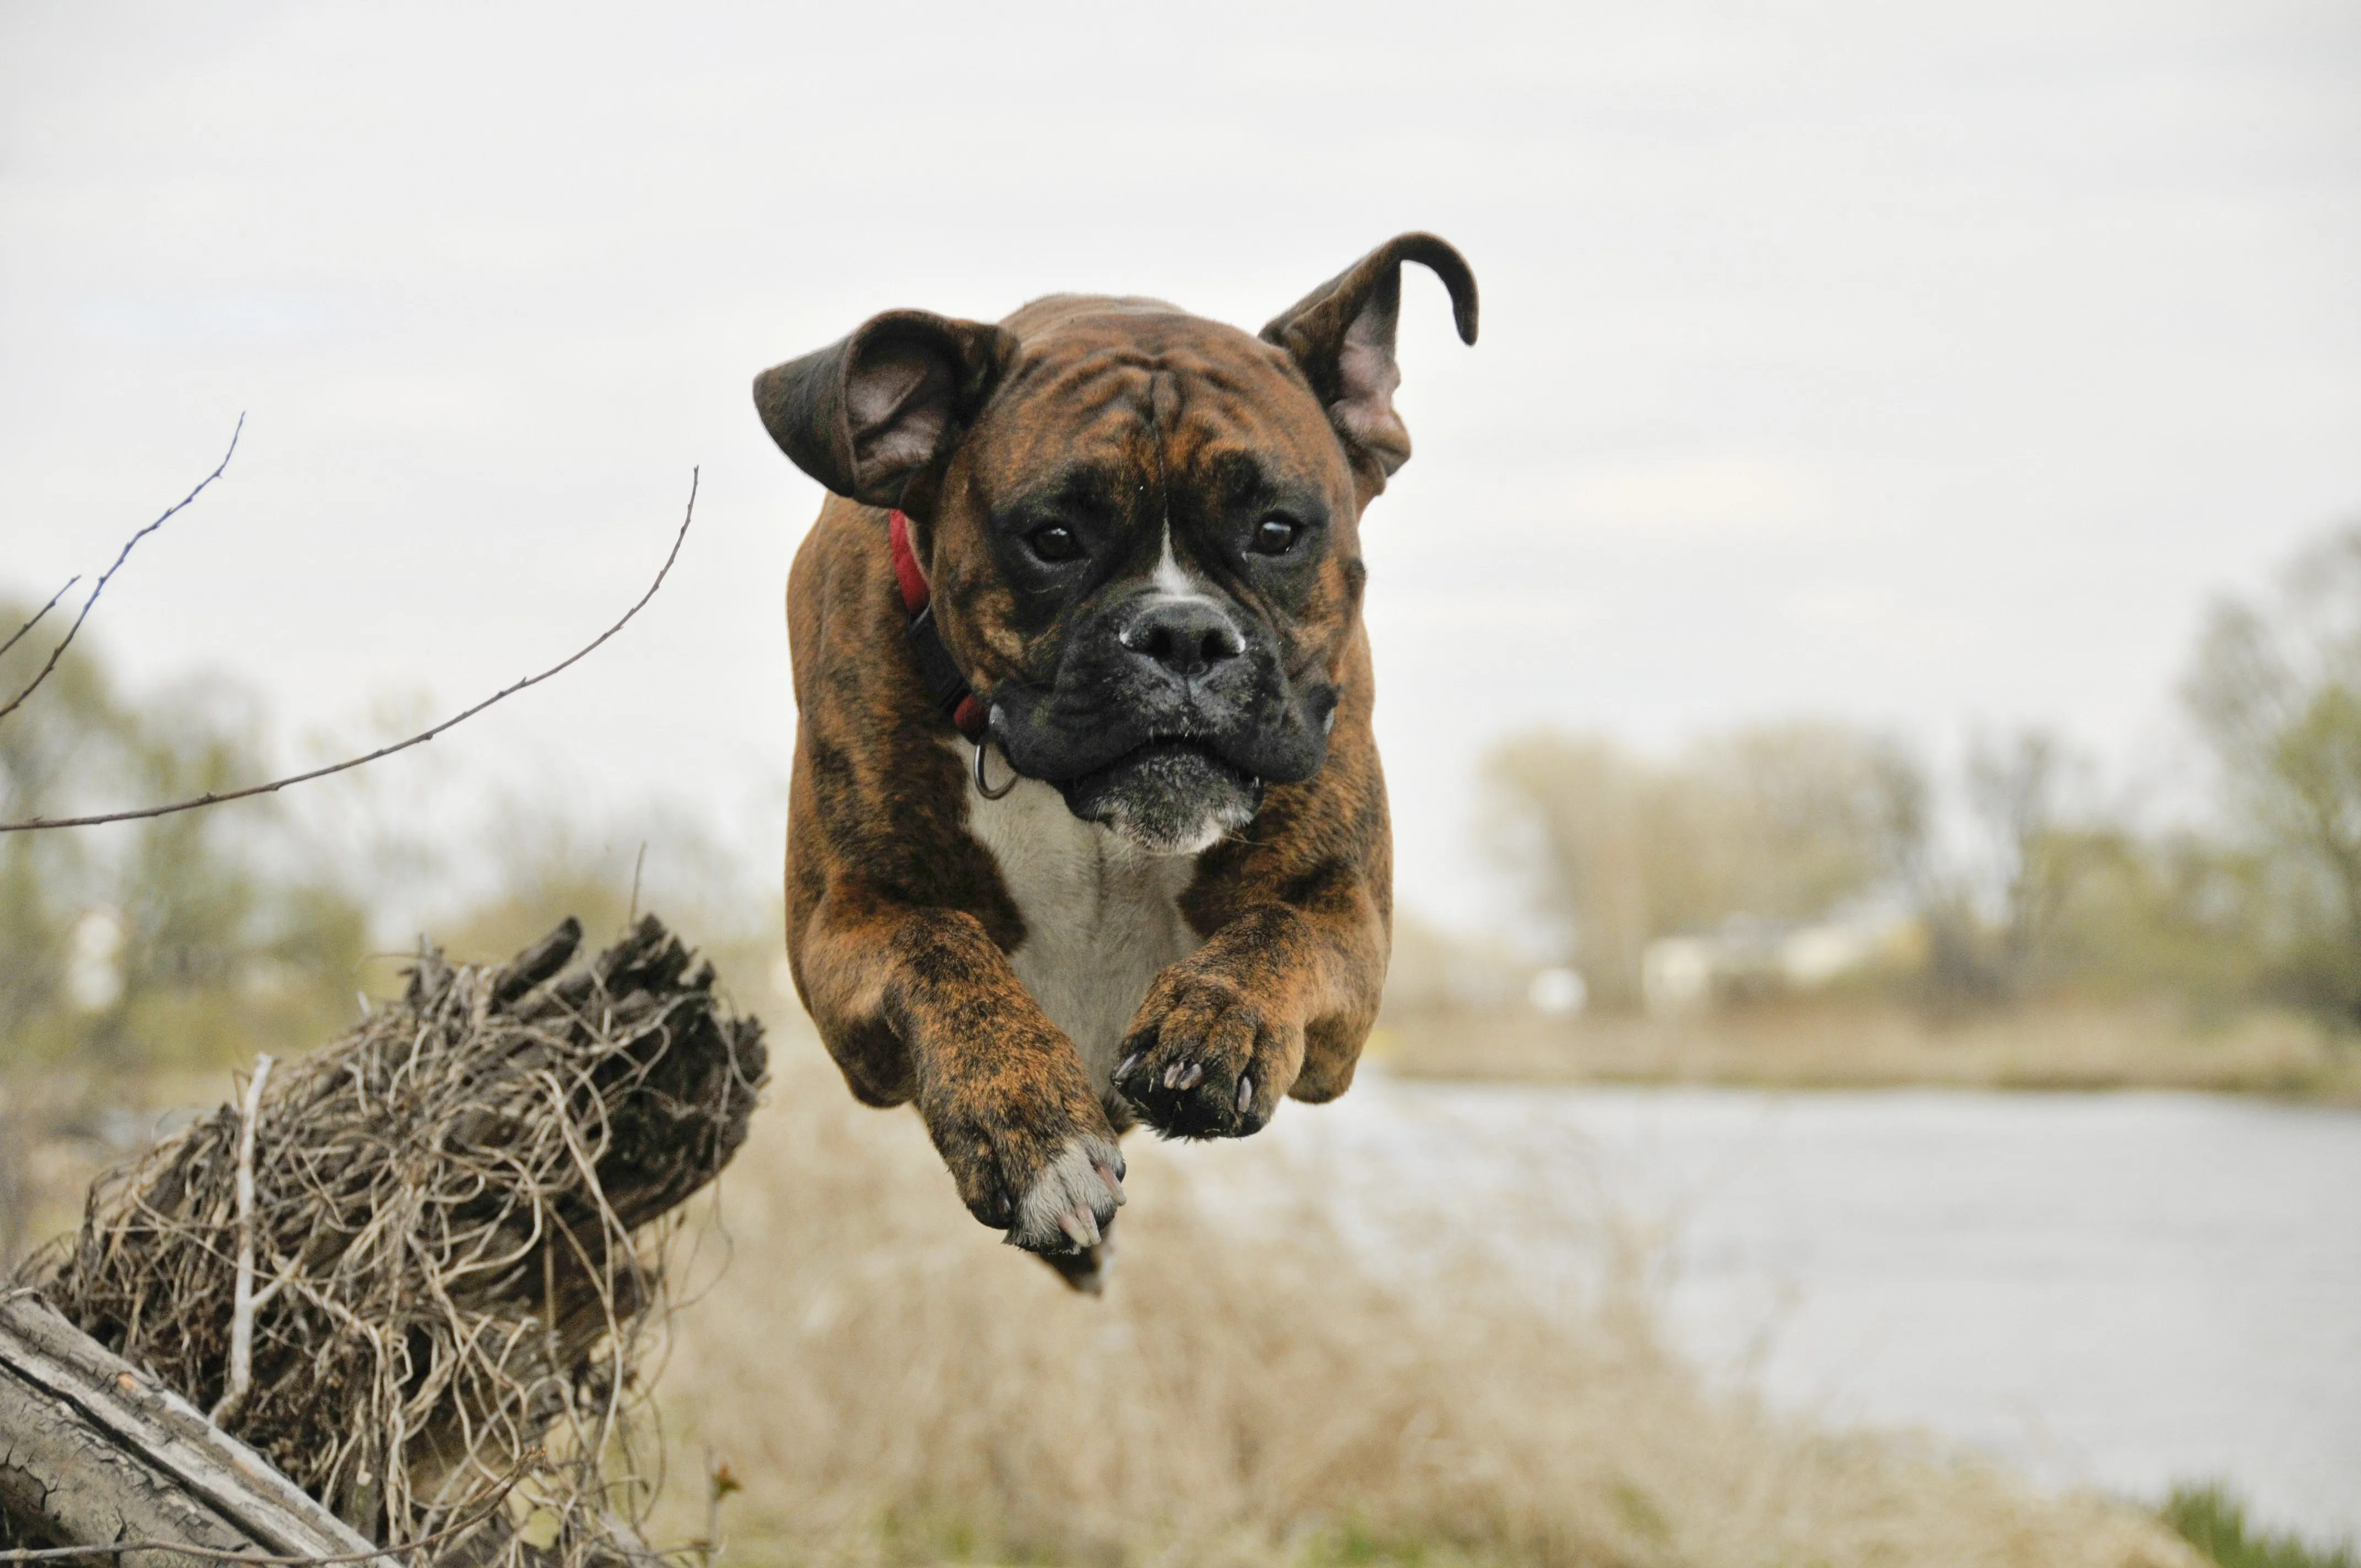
(720, 1484)
(67, 641)
(220, 1554)
(18, 635)
(34, 824)
(241, 1322)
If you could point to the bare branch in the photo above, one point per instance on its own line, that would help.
(34, 824)
(18, 635)
(241, 1327)
(124, 555)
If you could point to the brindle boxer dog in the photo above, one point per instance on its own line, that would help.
(1118, 547)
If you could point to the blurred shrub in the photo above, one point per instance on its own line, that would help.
(1432, 970)
(2276, 688)
(177, 941)
(1775, 822)
(2174, 914)
(2214, 1521)
(2038, 886)
(1993, 906)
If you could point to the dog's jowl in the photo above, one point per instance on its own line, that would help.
(1087, 825)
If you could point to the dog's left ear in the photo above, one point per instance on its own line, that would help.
(1342, 336)
(864, 415)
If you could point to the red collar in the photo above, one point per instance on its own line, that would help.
(936, 668)
(915, 592)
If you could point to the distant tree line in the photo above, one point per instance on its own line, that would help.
(207, 936)
(2019, 878)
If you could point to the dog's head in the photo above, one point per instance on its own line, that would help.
(1141, 528)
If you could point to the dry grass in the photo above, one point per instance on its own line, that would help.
(890, 1385)
(1866, 1045)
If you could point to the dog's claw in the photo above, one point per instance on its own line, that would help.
(1115, 1184)
(1129, 1066)
(1195, 1076)
(1080, 1225)
(1245, 1093)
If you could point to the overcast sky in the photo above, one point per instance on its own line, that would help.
(1924, 365)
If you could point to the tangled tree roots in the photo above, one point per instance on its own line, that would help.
(458, 1238)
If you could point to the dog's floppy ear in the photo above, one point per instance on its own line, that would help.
(1342, 336)
(864, 415)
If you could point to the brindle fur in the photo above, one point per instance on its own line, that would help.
(899, 926)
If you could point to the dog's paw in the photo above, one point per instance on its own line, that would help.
(1067, 1206)
(1204, 1061)
(1051, 1182)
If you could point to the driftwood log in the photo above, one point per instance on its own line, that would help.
(405, 1274)
(94, 1450)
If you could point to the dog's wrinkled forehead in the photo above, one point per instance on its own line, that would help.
(1116, 403)
(1147, 444)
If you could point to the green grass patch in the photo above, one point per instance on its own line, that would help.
(2214, 1521)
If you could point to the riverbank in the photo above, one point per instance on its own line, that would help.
(1486, 1325)
(2122, 1290)
(1869, 1045)
(1266, 1381)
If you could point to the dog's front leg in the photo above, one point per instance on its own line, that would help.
(1003, 1094)
(1277, 1001)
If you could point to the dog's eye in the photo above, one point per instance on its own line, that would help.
(1055, 543)
(1276, 535)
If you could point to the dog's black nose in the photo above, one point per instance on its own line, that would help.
(1188, 637)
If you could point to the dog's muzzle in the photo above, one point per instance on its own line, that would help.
(1167, 723)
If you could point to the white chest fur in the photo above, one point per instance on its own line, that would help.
(1100, 917)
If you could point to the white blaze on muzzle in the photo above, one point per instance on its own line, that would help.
(1171, 582)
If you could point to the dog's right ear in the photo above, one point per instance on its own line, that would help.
(1341, 336)
(864, 415)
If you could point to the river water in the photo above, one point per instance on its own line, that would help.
(2117, 1291)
